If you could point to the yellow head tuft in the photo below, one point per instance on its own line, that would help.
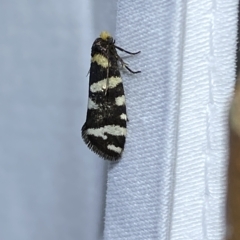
(105, 35)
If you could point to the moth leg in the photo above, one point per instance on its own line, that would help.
(130, 70)
(126, 65)
(107, 81)
(88, 73)
(123, 50)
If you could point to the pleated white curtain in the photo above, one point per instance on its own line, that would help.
(171, 181)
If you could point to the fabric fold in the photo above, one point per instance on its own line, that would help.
(171, 180)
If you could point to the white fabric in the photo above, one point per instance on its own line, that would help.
(171, 181)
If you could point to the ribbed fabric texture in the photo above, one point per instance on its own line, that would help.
(171, 181)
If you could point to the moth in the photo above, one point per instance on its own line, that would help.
(105, 128)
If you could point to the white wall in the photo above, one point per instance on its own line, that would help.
(51, 185)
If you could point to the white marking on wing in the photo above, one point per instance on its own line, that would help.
(101, 60)
(114, 148)
(101, 85)
(91, 104)
(123, 116)
(120, 100)
(114, 130)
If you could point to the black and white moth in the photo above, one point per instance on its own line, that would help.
(105, 131)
